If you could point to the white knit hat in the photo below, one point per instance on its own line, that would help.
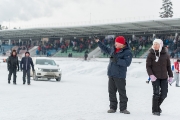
(160, 42)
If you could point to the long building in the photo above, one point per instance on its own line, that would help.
(151, 27)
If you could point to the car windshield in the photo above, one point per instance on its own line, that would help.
(45, 62)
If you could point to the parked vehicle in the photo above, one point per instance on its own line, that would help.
(46, 68)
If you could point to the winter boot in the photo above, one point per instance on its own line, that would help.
(9, 82)
(157, 113)
(125, 112)
(29, 84)
(160, 102)
(177, 85)
(160, 110)
(111, 111)
(14, 83)
(23, 83)
(155, 105)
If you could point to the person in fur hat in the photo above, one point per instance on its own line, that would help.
(12, 66)
(25, 64)
(158, 67)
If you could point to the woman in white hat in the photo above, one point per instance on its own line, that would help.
(159, 69)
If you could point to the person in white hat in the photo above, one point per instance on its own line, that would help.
(159, 69)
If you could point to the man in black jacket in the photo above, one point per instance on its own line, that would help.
(25, 66)
(12, 66)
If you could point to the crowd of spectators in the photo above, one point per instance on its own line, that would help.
(82, 45)
(172, 44)
(137, 44)
(76, 45)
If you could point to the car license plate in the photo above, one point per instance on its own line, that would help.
(48, 73)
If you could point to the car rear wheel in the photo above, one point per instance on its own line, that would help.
(58, 79)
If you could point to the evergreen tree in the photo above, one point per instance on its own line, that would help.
(166, 9)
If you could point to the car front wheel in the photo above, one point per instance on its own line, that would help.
(35, 77)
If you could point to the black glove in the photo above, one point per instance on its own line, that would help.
(8, 68)
(113, 59)
(147, 82)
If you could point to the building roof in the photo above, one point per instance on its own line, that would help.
(161, 26)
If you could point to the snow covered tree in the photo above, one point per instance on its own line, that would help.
(166, 9)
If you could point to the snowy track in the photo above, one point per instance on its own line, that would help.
(82, 95)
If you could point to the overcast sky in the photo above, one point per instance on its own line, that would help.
(34, 13)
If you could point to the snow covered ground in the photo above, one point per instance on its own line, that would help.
(82, 94)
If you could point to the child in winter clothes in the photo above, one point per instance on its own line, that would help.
(176, 72)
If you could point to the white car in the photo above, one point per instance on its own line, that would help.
(46, 68)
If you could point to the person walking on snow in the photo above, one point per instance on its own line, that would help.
(176, 72)
(25, 66)
(158, 67)
(120, 59)
(13, 66)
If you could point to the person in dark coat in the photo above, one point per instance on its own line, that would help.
(120, 59)
(12, 66)
(25, 66)
(172, 54)
(158, 67)
(85, 56)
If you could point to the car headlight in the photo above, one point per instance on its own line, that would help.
(39, 69)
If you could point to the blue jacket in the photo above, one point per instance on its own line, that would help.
(124, 57)
(26, 62)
